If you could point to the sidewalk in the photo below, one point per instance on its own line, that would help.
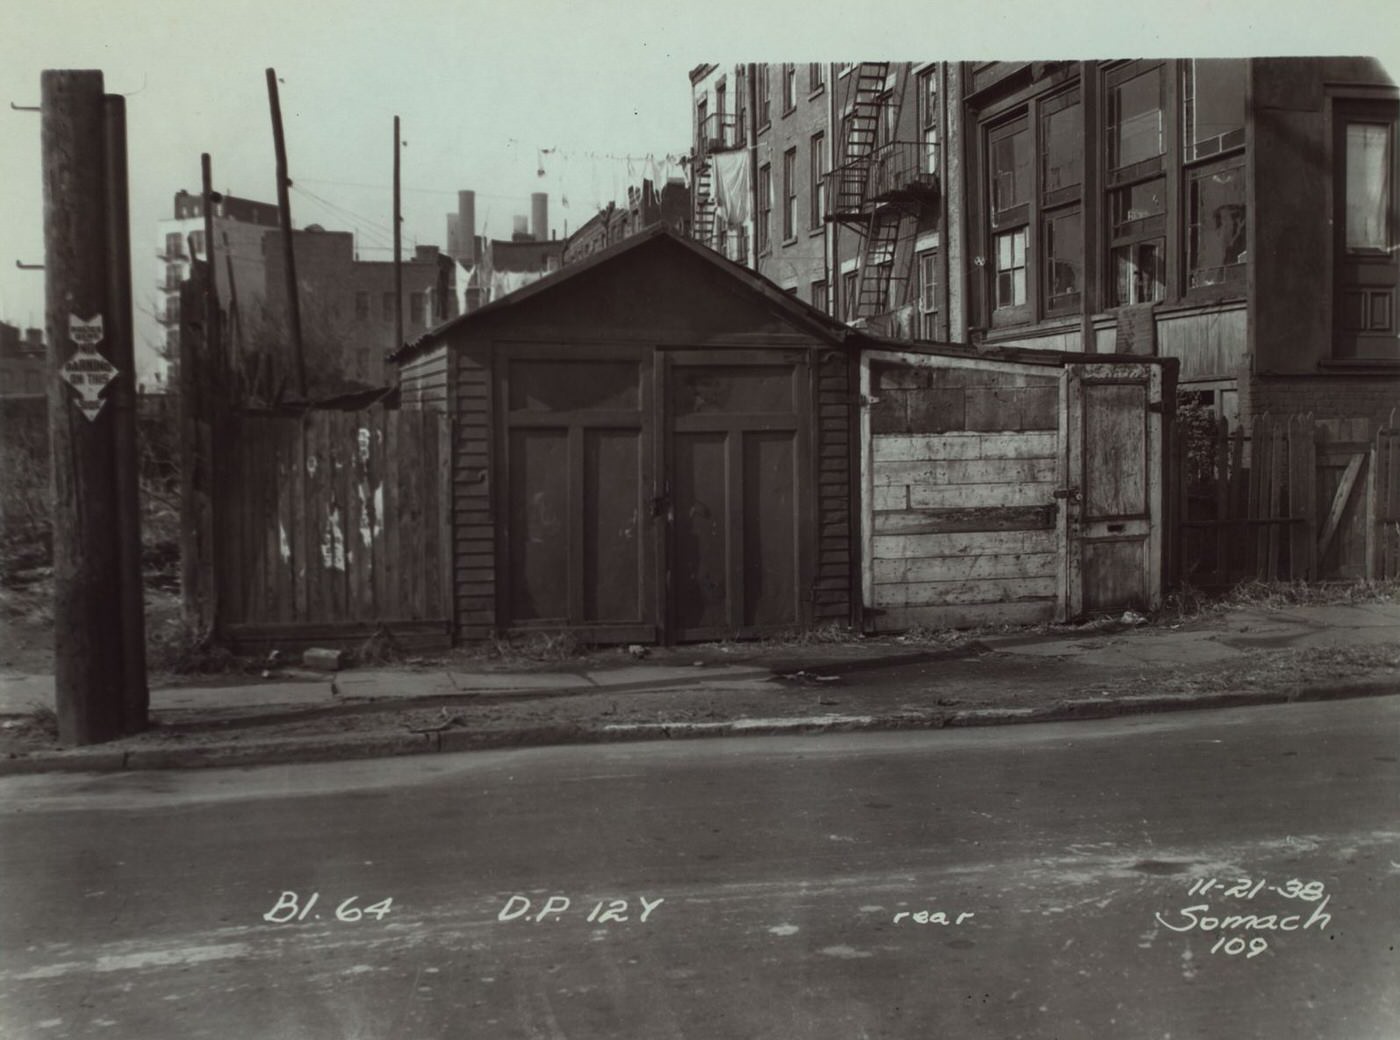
(1246, 656)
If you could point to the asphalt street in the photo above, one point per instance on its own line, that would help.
(1225, 874)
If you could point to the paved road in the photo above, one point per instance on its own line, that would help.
(775, 888)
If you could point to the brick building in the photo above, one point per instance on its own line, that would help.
(22, 360)
(1238, 215)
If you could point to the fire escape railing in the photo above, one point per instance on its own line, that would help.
(893, 173)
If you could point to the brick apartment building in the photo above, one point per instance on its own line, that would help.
(1236, 214)
(22, 360)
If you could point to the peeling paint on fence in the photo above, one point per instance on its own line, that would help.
(333, 544)
(282, 544)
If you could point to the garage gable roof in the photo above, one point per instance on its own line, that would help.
(801, 314)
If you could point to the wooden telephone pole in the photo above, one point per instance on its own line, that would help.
(398, 245)
(91, 427)
(284, 212)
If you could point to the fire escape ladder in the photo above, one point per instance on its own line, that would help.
(705, 205)
(862, 132)
(886, 259)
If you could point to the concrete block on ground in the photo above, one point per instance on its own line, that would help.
(322, 659)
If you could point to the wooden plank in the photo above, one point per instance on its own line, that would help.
(918, 570)
(946, 616)
(1339, 505)
(981, 543)
(894, 447)
(389, 602)
(442, 485)
(963, 496)
(889, 498)
(985, 518)
(432, 543)
(966, 471)
(988, 590)
(1277, 447)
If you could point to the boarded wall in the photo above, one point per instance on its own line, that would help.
(963, 467)
(334, 525)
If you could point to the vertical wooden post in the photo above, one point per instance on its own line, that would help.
(87, 566)
(136, 695)
(213, 331)
(284, 213)
(398, 245)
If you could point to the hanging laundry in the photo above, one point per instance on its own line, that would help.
(731, 181)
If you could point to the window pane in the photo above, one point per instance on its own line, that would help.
(1213, 105)
(1062, 135)
(1215, 239)
(1011, 169)
(1064, 243)
(1139, 273)
(1140, 202)
(1135, 120)
(928, 300)
(1368, 185)
(1011, 268)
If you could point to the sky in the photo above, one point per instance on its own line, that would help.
(484, 89)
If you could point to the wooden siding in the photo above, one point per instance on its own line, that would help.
(962, 469)
(1209, 344)
(832, 578)
(423, 381)
(473, 496)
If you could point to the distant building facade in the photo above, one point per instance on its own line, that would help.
(1236, 214)
(22, 360)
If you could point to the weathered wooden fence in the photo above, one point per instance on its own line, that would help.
(333, 526)
(1291, 499)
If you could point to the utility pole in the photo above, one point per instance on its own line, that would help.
(88, 665)
(398, 245)
(213, 331)
(284, 211)
(136, 695)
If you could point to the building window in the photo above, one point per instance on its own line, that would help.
(816, 77)
(197, 243)
(928, 295)
(1011, 173)
(362, 306)
(1215, 230)
(1367, 264)
(416, 309)
(765, 206)
(1060, 167)
(1212, 106)
(172, 276)
(702, 132)
(1135, 118)
(1009, 249)
(928, 118)
(816, 166)
(763, 90)
(850, 284)
(789, 87)
(172, 310)
(819, 299)
(172, 343)
(790, 194)
(1137, 251)
(174, 245)
(386, 307)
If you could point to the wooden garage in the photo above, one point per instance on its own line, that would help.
(1011, 486)
(653, 445)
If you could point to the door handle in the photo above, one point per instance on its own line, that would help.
(1068, 494)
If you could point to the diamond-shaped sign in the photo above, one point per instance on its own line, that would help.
(88, 372)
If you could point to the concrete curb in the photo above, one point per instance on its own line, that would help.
(327, 749)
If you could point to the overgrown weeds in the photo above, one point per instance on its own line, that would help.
(171, 646)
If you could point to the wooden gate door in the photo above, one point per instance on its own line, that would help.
(575, 550)
(1112, 523)
(737, 492)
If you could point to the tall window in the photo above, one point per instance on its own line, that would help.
(1367, 266)
(1212, 123)
(763, 89)
(418, 313)
(197, 243)
(1137, 184)
(765, 206)
(816, 76)
(789, 87)
(928, 295)
(816, 167)
(850, 283)
(928, 118)
(790, 194)
(819, 299)
(174, 245)
(1062, 227)
(1011, 174)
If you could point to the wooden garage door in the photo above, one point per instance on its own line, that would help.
(576, 547)
(737, 453)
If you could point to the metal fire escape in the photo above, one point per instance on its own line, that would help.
(715, 133)
(880, 189)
